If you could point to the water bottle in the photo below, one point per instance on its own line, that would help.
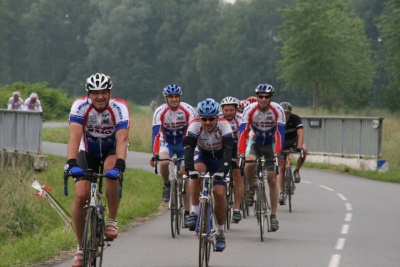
(264, 172)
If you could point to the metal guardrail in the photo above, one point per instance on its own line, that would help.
(359, 137)
(21, 130)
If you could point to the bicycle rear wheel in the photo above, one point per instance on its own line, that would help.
(204, 246)
(243, 205)
(93, 240)
(174, 209)
(229, 203)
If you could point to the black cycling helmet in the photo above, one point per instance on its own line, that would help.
(286, 106)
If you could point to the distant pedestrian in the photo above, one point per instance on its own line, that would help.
(15, 102)
(153, 105)
(33, 103)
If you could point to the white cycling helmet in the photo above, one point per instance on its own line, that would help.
(229, 100)
(34, 95)
(98, 81)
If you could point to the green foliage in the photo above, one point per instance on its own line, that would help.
(56, 105)
(391, 40)
(326, 53)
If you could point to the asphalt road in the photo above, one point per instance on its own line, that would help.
(337, 220)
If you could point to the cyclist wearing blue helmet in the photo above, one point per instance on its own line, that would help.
(208, 148)
(170, 122)
(266, 121)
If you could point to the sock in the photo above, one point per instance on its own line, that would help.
(195, 209)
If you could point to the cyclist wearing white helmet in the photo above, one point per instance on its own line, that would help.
(294, 138)
(33, 103)
(208, 148)
(15, 102)
(170, 122)
(98, 139)
(266, 120)
(229, 107)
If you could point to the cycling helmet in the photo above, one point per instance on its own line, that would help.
(265, 88)
(242, 104)
(98, 81)
(251, 99)
(172, 89)
(286, 106)
(208, 108)
(229, 100)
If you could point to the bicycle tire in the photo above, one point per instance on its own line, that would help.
(260, 209)
(92, 242)
(244, 206)
(173, 208)
(203, 234)
(229, 203)
(289, 186)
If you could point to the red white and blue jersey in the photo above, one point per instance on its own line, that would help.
(15, 105)
(99, 128)
(235, 122)
(33, 105)
(268, 126)
(210, 143)
(170, 125)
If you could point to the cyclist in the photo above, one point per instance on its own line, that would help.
(294, 138)
(266, 120)
(98, 137)
(170, 122)
(212, 138)
(242, 104)
(33, 103)
(15, 102)
(229, 112)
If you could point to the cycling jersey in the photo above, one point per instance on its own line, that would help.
(170, 125)
(33, 105)
(15, 104)
(268, 126)
(235, 122)
(99, 128)
(294, 122)
(210, 143)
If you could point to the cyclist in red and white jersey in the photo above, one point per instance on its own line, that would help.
(229, 112)
(170, 122)
(15, 102)
(208, 148)
(33, 103)
(266, 119)
(98, 137)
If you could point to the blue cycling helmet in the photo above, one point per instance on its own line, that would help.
(208, 108)
(265, 88)
(172, 89)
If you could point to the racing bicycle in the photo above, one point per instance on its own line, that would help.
(289, 179)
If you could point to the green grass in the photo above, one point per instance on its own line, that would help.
(31, 231)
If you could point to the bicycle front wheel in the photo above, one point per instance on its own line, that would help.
(204, 248)
(260, 209)
(174, 209)
(93, 239)
(289, 186)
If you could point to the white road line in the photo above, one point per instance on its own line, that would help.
(307, 182)
(345, 229)
(327, 188)
(335, 261)
(348, 206)
(342, 197)
(348, 217)
(340, 243)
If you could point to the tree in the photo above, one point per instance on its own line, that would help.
(326, 53)
(389, 26)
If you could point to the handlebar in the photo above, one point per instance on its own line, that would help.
(173, 160)
(243, 161)
(294, 151)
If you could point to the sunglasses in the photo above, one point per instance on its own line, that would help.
(173, 96)
(208, 119)
(264, 96)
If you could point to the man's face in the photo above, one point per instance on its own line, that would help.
(208, 123)
(173, 100)
(287, 114)
(264, 100)
(100, 98)
(229, 112)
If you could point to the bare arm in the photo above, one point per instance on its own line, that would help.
(300, 137)
(122, 143)
(75, 136)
